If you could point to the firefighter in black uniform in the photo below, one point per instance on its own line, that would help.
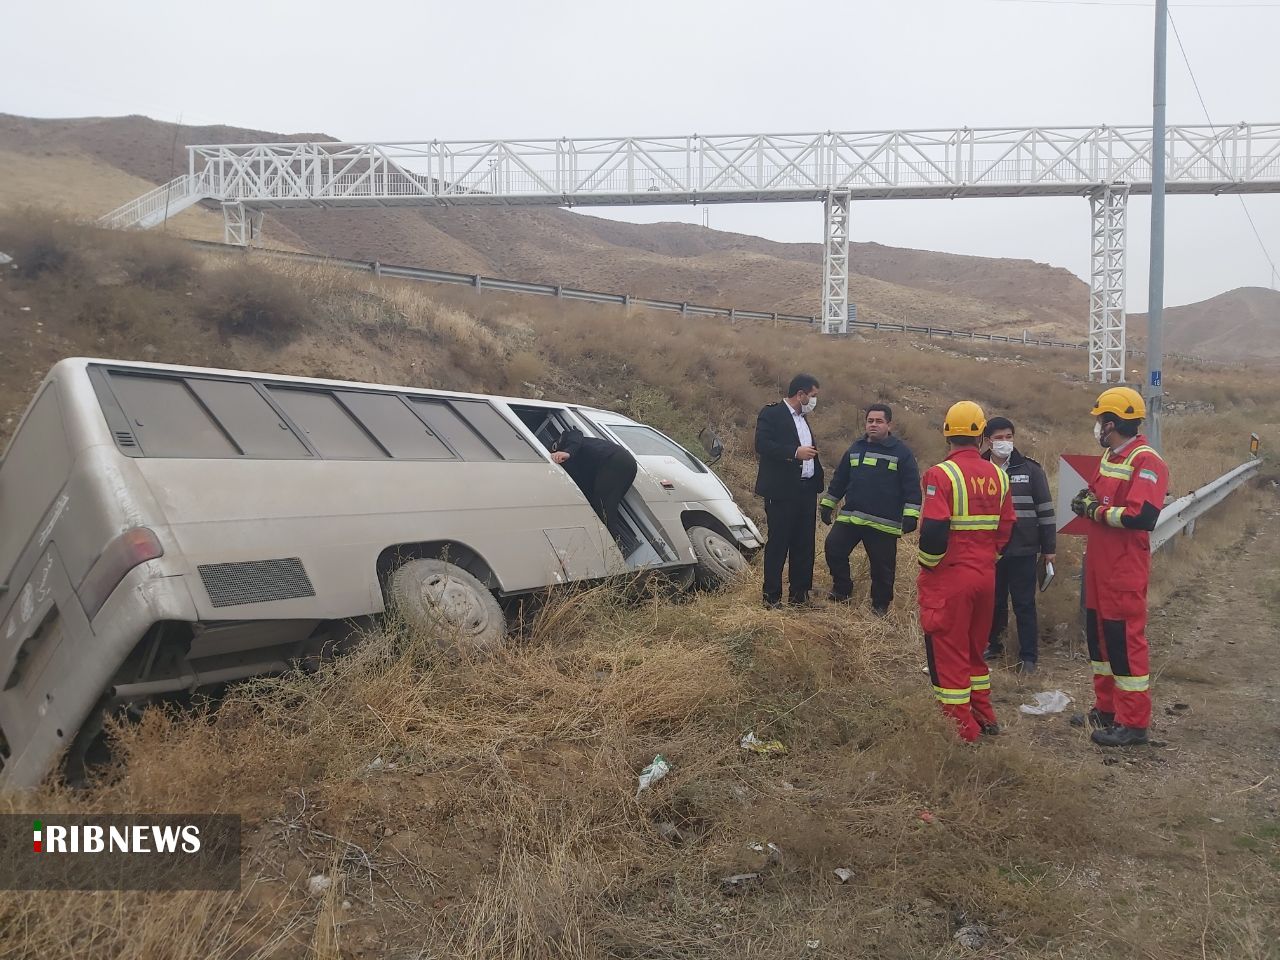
(602, 469)
(879, 481)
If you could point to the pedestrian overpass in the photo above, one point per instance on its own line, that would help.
(1104, 164)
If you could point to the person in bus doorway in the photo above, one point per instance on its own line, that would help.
(1035, 533)
(602, 469)
(789, 479)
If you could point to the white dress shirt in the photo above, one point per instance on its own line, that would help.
(806, 440)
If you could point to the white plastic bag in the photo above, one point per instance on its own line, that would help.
(1049, 701)
(652, 774)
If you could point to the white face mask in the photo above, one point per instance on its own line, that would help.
(1002, 448)
(1097, 431)
(809, 405)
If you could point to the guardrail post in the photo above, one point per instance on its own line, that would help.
(626, 302)
(733, 314)
(559, 292)
(478, 282)
(684, 309)
(377, 268)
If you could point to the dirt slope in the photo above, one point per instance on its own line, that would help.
(1241, 324)
(669, 260)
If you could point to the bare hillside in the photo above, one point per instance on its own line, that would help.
(1241, 324)
(670, 260)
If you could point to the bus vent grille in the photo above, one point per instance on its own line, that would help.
(125, 438)
(255, 581)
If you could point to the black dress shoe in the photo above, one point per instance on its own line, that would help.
(991, 729)
(772, 604)
(839, 598)
(1119, 736)
(1099, 719)
(992, 653)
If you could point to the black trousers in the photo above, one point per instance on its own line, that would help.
(793, 525)
(612, 481)
(882, 552)
(1016, 578)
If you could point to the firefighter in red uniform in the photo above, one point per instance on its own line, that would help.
(968, 517)
(1124, 500)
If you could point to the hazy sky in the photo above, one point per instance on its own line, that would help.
(425, 70)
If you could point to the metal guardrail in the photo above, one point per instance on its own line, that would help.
(479, 282)
(1180, 516)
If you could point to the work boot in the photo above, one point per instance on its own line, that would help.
(1120, 736)
(991, 729)
(1099, 719)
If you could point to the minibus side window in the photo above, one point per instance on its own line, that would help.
(167, 418)
(248, 418)
(455, 431)
(497, 430)
(395, 426)
(330, 428)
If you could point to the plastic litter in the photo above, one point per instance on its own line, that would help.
(843, 874)
(771, 850)
(738, 882)
(652, 774)
(927, 817)
(1046, 702)
(813, 944)
(755, 745)
(318, 884)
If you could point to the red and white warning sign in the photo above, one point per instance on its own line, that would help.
(1075, 470)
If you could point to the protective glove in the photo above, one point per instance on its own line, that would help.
(909, 524)
(1077, 502)
(1089, 505)
(825, 513)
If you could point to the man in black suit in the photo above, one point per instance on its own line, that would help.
(602, 469)
(790, 480)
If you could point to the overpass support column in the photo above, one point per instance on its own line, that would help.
(1107, 283)
(835, 264)
(240, 225)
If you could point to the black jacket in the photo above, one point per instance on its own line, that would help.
(1037, 528)
(586, 454)
(879, 484)
(777, 441)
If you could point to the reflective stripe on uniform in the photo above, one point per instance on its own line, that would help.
(929, 559)
(1025, 500)
(979, 521)
(981, 683)
(1114, 516)
(1101, 668)
(1025, 514)
(1133, 684)
(827, 502)
(857, 517)
(911, 510)
(955, 696)
(959, 496)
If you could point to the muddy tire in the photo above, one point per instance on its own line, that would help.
(719, 560)
(447, 602)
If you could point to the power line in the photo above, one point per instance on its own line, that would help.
(1204, 107)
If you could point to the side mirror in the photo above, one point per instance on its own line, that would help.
(712, 444)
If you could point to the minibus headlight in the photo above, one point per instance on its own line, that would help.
(134, 546)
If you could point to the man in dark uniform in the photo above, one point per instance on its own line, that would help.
(602, 469)
(790, 479)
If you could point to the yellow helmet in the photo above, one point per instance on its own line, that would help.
(1125, 402)
(964, 419)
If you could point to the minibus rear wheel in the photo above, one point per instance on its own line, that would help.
(719, 560)
(444, 600)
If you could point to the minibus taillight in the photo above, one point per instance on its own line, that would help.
(134, 546)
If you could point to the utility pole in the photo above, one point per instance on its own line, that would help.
(1155, 291)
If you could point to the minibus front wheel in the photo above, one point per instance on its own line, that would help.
(719, 559)
(447, 603)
